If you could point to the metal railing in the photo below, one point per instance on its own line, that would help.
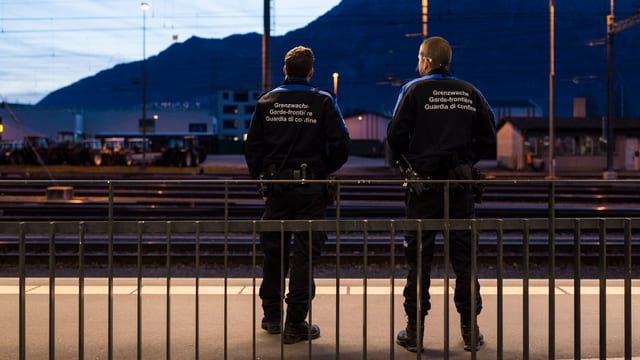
(163, 233)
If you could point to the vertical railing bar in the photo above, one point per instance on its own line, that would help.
(310, 284)
(627, 290)
(474, 275)
(197, 298)
(602, 271)
(168, 299)
(226, 270)
(500, 283)
(445, 269)
(81, 238)
(52, 291)
(552, 270)
(577, 270)
(419, 321)
(392, 284)
(282, 286)
(139, 291)
(365, 283)
(525, 293)
(338, 256)
(254, 248)
(110, 274)
(22, 290)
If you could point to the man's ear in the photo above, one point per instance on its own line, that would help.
(310, 74)
(284, 70)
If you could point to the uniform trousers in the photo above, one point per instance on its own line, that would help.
(300, 202)
(430, 205)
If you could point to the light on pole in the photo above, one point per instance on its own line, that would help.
(335, 84)
(145, 7)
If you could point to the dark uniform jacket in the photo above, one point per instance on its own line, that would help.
(296, 123)
(440, 119)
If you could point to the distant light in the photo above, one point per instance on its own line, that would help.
(244, 137)
(601, 208)
(235, 138)
(155, 116)
(359, 117)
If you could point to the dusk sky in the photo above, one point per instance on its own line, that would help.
(48, 44)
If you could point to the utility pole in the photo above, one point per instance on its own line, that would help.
(266, 48)
(614, 27)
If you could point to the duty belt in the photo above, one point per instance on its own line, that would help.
(298, 173)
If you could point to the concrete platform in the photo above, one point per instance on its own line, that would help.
(353, 339)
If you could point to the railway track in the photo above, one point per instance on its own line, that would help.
(180, 199)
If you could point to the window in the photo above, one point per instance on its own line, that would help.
(230, 109)
(241, 97)
(230, 124)
(248, 109)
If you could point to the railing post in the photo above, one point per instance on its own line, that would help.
(602, 274)
(22, 290)
(446, 233)
(552, 270)
(500, 294)
(525, 291)
(577, 269)
(52, 290)
(81, 237)
(628, 340)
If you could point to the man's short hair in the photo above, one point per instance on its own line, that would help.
(299, 61)
(437, 50)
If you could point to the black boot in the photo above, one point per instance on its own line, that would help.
(271, 326)
(408, 337)
(465, 329)
(295, 332)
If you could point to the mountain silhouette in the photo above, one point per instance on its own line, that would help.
(501, 46)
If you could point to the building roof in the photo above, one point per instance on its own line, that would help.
(513, 103)
(564, 123)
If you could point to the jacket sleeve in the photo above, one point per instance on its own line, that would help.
(338, 139)
(400, 129)
(484, 131)
(253, 147)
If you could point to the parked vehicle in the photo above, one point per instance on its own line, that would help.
(7, 149)
(114, 152)
(142, 154)
(182, 151)
(32, 150)
(84, 152)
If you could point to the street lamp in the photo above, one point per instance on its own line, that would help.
(145, 7)
(335, 84)
(552, 73)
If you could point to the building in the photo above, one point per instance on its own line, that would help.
(368, 132)
(19, 121)
(235, 109)
(579, 143)
(515, 108)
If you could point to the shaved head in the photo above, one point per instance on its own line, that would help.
(437, 51)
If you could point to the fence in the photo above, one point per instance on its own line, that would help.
(223, 339)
